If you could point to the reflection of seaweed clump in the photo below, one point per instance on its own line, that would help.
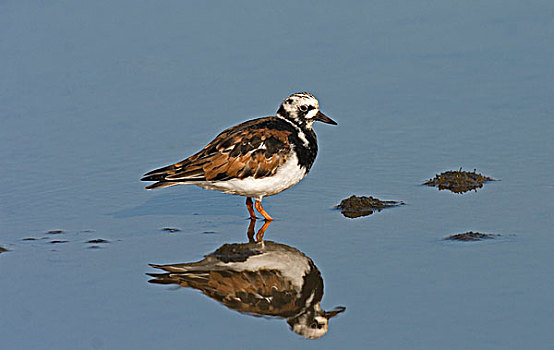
(470, 236)
(458, 181)
(354, 206)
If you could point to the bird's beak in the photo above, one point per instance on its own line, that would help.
(334, 312)
(323, 118)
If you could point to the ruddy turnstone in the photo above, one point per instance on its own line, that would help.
(255, 159)
(260, 279)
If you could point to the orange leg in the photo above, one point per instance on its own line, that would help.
(250, 207)
(259, 235)
(261, 231)
(259, 208)
(250, 232)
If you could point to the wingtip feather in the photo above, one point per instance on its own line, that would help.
(160, 184)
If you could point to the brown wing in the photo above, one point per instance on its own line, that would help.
(252, 148)
(263, 292)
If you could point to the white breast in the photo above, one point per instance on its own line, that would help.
(286, 176)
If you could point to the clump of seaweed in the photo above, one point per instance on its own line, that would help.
(355, 206)
(458, 181)
(2, 249)
(470, 236)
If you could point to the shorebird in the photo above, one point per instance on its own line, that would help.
(254, 159)
(261, 279)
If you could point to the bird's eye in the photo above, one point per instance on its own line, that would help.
(315, 325)
(303, 108)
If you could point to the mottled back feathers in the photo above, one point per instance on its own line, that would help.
(254, 148)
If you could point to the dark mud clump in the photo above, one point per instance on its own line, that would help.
(171, 229)
(458, 181)
(355, 206)
(470, 236)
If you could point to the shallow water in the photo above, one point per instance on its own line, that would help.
(95, 94)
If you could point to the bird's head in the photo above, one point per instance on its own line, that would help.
(313, 323)
(303, 109)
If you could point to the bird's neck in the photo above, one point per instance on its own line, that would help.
(304, 140)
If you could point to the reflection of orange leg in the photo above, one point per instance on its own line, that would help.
(250, 207)
(259, 208)
(261, 231)
(250, 231)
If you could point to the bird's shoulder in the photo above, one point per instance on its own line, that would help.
(249, 134)
(253, 148)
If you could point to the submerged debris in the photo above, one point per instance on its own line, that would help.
(58, 241)
(55, 232)
(354, 206)
(471, 236)
(171, 229)
(458, 181)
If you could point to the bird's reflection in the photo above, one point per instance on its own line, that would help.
(260, 278)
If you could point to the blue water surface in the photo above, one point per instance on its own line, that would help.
(94, 94)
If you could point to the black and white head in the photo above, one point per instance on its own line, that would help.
(303, 109)
(313, 323)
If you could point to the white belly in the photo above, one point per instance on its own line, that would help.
(286, 176)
